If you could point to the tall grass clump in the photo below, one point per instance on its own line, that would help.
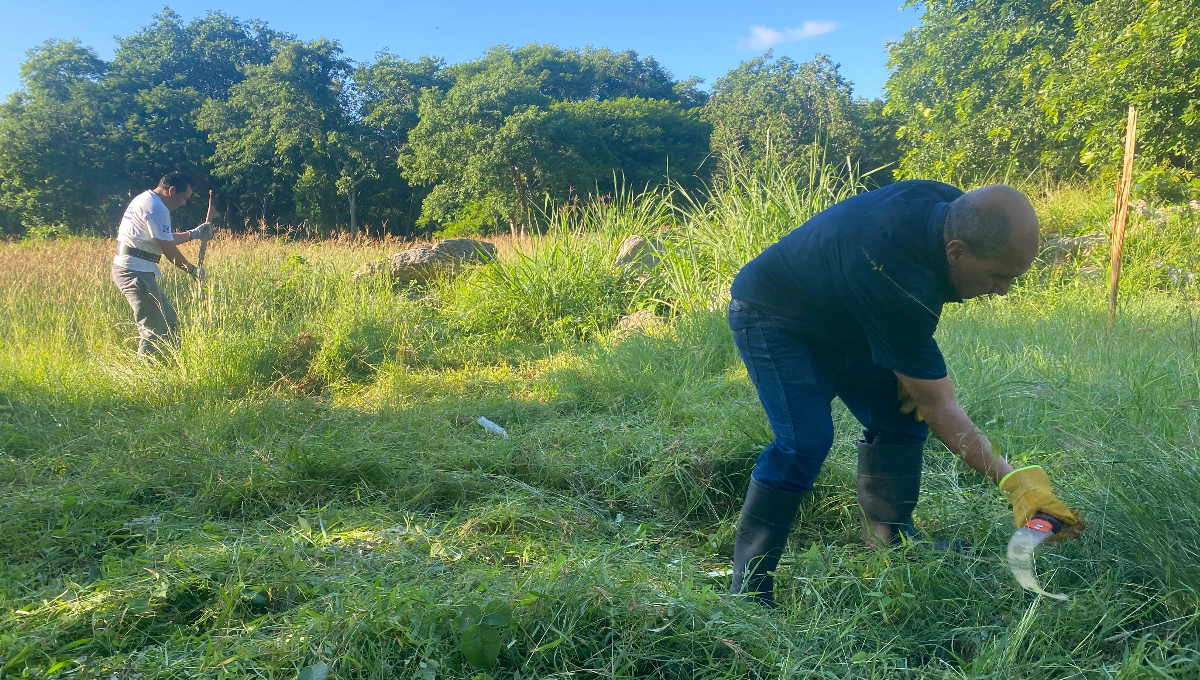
(562, 284)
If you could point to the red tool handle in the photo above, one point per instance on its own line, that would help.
(1044, 523)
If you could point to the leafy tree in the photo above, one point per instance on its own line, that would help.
(294, 131)
(965, 83)
(161, 77)
(387, 95)
(539, 121)
(646, 141)
(788, 104)
(477, 143)
(882, 148)
(57, 139)
(283, 136)
(389, 91)
(309, 128)
(577, 75)
(82, 135)
(1140, 52)
(990, 88)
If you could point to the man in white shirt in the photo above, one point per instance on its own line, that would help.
(142, 241)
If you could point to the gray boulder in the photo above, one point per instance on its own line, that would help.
(642, 320)
(1059, 248)
(637, 253)
(426, 262)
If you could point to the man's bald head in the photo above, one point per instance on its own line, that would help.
(991, 237)
(992, 218)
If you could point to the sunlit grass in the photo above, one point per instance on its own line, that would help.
(303, 480)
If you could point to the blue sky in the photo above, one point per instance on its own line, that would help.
(704, 39)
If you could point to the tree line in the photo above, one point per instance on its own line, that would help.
(292, 132)
(1003, 88)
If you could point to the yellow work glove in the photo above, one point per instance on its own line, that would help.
(1029, 491)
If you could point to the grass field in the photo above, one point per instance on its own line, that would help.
(302, 483)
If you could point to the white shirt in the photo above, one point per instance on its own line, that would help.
(145, 220)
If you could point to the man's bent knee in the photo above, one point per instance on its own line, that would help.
(785, 468)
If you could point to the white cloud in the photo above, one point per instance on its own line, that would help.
(763, 38)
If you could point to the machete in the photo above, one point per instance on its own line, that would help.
(1020, 552)
(207, 218)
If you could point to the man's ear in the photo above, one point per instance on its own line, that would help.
(955, 250)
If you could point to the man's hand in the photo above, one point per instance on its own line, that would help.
(907, 404)
(196, 273)
(1029, 491)
(202, 232)
(171, 252)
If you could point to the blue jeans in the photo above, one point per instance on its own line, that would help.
(797, 381)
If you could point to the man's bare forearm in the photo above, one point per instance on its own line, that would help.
(171, 252)
(964, 439)
(949, 422)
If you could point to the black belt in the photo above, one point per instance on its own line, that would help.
(123, 249)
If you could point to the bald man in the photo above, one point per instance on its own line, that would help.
(846, 305)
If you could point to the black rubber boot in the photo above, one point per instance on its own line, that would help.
(889, 481)
(762, 531)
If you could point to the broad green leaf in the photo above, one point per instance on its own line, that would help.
(469, 616)
(427, 670)
(497, 613)
(481, 645)
(317, 671)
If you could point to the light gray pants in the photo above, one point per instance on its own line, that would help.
(157, 323)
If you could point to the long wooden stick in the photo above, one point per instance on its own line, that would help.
(207, 218)
(1121, 211)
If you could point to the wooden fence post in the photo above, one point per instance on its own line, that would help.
(1121, 212)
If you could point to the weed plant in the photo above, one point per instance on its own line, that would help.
(301, 488)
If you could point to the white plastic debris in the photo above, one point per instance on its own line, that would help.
(148, 521)
(492, 427)
(1020, 555)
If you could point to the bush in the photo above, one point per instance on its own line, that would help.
(561, 287)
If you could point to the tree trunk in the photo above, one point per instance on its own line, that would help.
(516, 178)
(353, 221)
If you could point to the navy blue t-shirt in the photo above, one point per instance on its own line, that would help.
(866, 274)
